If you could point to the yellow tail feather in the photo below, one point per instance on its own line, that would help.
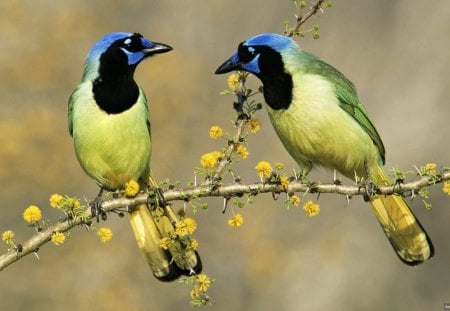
(408, 238)
(149, 227)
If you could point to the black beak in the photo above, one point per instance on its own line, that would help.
(228, 66)
(157, 48)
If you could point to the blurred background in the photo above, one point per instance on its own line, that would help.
(396, 52)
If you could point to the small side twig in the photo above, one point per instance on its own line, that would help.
(301, 19)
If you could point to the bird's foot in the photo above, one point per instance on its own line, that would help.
(369, 187)
(96, 206)
(155, 195)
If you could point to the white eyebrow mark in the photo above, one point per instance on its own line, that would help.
(251, 50)
(127, 41)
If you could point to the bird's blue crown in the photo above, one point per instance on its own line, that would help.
(277, 42)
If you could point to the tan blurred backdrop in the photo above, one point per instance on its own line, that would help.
(396, 52)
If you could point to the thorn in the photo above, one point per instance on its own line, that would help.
(348, 199)
(275, 196)
(225, 204)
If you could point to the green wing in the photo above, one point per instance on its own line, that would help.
(348, 99)
(70, 111)
(350, 103)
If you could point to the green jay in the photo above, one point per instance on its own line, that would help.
(109, 121)
(318, 117)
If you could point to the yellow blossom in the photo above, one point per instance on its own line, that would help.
(8, 237)
(242, 151)
(131, 188)
(165, 243)
(105, 234)
(191, 225)
(215, 132)
(279, 166)
(58, 238)
(264, 169)
(233, 82)
(311, 209)
(55, 200)
(236, 220)
(32, 214)
(194, 244)
(446, 187)
(284, 181)
(253, 125)
(70, 203)
(195, 292)
(210, 160)
(203, 282)
(295, 200)
(430, 168)
(185, 227)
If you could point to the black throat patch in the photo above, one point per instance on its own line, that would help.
(277, 83)
(115, 89)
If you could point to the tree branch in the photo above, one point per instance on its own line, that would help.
(301, 19)
(233, 190)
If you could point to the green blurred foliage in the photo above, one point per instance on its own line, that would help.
(396, 52)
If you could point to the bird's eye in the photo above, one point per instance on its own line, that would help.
(132, 44)
(246, 53)
(127, 42)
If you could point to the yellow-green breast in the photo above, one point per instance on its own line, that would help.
(111, 148)
(315, 130)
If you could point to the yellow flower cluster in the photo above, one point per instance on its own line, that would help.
(55, 200)
(311, 209)
(185, 227)
(446, 187)
(74, 203)
(105, 234)
(165, 243)
(131, 188)
(264, 169)
(253, 125)
(58, 238)
(233, 82)
(284, 181)
(8, 237)
(242, 151)
(215, 132)
(279, 166)
(430, 168)
(210, 160)
(295, 200)
(203, 283)
(236, 220)
(193, 244)
(32, 214)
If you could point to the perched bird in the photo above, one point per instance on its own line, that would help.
(109, 121)
(320, 121)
